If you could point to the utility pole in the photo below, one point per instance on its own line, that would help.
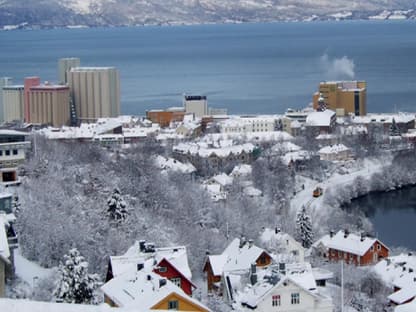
(342, 285)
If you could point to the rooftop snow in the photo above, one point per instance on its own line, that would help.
(351, 243)
(333, 149)
(320, 119)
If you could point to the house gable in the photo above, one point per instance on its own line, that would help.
(183, 304)
(166, 269)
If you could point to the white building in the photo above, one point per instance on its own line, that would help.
(248, 124)
(337, 152)
(196, 104)
(283, 244)
(286, 288)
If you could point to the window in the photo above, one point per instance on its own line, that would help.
(176, 281)
(372, 248)
(7, 152)
(173, 305)
(295, 298)
(163, 269)
(14, 152)
(378, 247)
(1, 153)
(275, 300)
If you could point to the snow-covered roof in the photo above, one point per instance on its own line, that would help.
(7, 132)
(217, 263)
(320, 119)
(351, 243)
(407, 307)
(223, 179)
(293, 156)
(285, 147)
(333, 149)
(143, 289)
(384, 118)
(236, 258)
(267, 136)
(20, 305)
(403, 295)
(173, 164)
(252, 191)
(241, 170)
(177, 257)
(202, 150)
(270, 235)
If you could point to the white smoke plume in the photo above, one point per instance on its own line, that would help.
(337, 68)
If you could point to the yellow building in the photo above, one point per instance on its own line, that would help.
(343, 97)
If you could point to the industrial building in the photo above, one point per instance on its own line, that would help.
(95, 92)
(343, 97)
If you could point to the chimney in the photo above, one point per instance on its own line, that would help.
(276, 230)
(142, 245)
(242, 242)
(346, 233)
(140, 266)
(331, 233)
(162, 282)
(149, 277)
(250, 243)
(362, 237)
(253, 274)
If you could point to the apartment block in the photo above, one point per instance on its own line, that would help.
(196, 104)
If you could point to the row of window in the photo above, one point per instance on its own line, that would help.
(8, 152)
(294, 299)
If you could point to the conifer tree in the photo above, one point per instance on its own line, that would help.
(394, 129)
(304, 232)
(117, 208)
(75, 285)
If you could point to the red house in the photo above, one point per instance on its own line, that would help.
(169, 262)
(352, 248)
(167, 270)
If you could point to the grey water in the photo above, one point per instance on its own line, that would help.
(393, 215)
(247, 68)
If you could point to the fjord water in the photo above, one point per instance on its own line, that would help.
(247, 68)
(393, 215)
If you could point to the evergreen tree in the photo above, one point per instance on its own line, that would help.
(117, 208)
(394, 129)
(75, 285)
(304, 230)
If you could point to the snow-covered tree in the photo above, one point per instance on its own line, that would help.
(304, 230)
(74, 284)
(394, 129)
(117, 208)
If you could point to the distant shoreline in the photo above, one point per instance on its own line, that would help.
(27, 27)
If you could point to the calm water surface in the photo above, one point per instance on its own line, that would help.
(248, 68)
(393, 215)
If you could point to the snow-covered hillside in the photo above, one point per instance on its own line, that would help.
(48, 13)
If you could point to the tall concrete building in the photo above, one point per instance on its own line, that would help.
(29, 82)
(65, 65)
(4, 81)
(13, 103)
(196, 104)
(95, 92)
(49, 104)
(343, 97)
